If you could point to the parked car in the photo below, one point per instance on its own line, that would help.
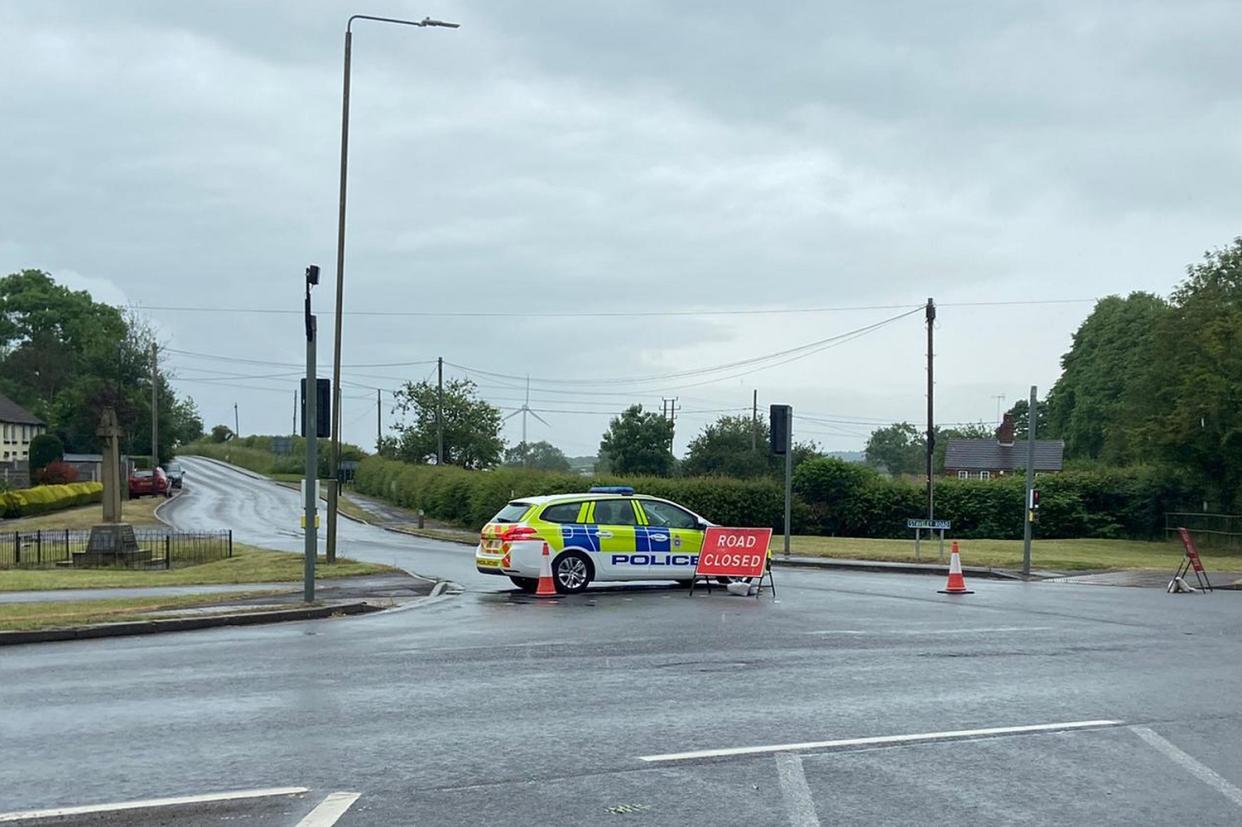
(143, 481)
(175, 473)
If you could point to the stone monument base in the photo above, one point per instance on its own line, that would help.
(112, 544)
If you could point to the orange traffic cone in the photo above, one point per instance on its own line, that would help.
(547, 588)
(957, 583)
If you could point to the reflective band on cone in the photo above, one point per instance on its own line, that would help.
(957, 583)
(547, 588)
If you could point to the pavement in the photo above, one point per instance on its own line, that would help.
(854, 698)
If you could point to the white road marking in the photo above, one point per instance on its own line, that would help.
(799, 805)
(1200, 771)
(152, 803)
(329, 810)
(881, 740)
(946, 631)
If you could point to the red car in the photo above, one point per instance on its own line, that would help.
(145, 481)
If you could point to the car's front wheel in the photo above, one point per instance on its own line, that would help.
(526, 584)
(571, 572)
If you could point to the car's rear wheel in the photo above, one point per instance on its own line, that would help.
(526, 584)
(571, 572)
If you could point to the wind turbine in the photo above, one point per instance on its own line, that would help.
(524, 410)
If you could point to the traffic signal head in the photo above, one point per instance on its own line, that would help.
(780, 416)
(312, 274)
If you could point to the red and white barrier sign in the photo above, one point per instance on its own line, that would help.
(733, 552)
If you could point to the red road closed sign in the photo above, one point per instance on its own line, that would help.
(733, 552)
(1192, 551)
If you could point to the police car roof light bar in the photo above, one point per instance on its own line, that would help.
(611, 489)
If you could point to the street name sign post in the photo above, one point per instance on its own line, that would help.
(739, 553)
(921, 524)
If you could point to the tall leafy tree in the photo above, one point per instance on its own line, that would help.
(541, 455)
(471, 425)
(737, 446)
(1195, 392)
(897, 449)
(638, 443)
(65, 357)
(1098, 403)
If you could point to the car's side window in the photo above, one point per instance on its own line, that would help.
(668, 515)
(561, 513)
(614, 512)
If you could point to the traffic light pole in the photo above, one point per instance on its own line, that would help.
(310, 398)
(1030, 487)
(788, 480)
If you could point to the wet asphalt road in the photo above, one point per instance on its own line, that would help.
(490, 708)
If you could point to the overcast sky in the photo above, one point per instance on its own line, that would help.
(639, 157)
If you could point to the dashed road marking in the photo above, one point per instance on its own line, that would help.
(1200, 771)
(329, 810)
(944, 631)
(882, 740)
(799, 805)
(151, 803)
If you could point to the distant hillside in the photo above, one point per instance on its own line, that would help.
(849, 456)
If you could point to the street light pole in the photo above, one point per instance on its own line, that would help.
(335, 453)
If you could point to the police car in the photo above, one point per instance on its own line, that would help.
(608, 533)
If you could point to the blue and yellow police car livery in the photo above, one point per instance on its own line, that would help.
(606, 534)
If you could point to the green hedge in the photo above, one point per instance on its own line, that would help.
(831, 497)
(41, 499)
(471, 498)
(255, 453)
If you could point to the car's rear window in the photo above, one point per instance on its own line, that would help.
(511, 513)
(143, 473)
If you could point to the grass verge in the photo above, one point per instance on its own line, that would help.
(247, 565)
(31, 616)
(1054, 555)
(140, 512)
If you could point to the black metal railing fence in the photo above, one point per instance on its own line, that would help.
(158, 549)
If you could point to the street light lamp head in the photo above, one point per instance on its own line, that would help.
(427, 21)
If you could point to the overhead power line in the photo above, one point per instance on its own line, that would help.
(602, 314)
(794, 352)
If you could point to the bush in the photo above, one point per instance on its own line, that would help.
(27, 502)
(44, 450)
(56, 473)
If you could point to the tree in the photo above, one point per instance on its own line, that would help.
(44, 450)
(736, 446)
(1194, 399)
(471, 425)
(221, 433)
(732, 446)
(1100, 400)
(638, 443)
(1020, 412)
(66, 357)
(898, 449)
(541, 455)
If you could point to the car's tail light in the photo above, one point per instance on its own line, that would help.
(519, 532)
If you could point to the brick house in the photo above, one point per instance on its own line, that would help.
(982, 459)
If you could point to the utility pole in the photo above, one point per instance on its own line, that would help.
(155, 409)
(931, 422)
(670, 409)
(236, 425)
(1030, 487)
(379, 423)
(311, 474)
(754, 421)
(525, 410)
(439, 410)
(293, 431)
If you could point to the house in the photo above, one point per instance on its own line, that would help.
(983, 459)
(17, 427)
